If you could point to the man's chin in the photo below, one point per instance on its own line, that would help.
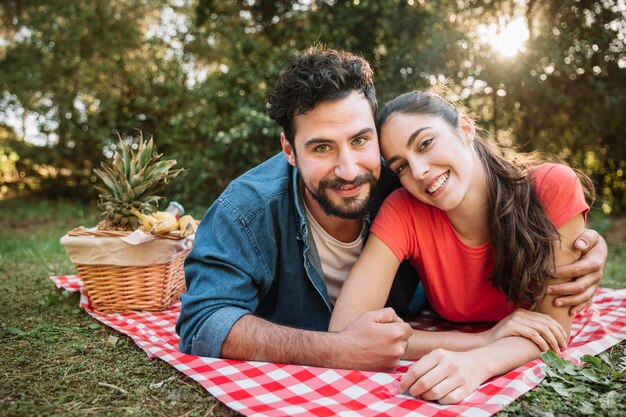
(347, 210)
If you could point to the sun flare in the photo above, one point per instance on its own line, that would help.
(506, 40)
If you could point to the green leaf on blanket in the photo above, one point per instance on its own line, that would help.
(587, 409)
(595, 374)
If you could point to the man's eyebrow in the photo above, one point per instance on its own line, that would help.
(363, 132)
(321, 140)
(409, 142)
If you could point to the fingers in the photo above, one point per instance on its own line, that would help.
(388, 316)
(437, 377)
(541, 329)
(591, 263)
(577, 269)
(385, 315)
(546, 333)
(577, 300)
(587, 240)
(574, 287)
(578, 308)
(411, 382)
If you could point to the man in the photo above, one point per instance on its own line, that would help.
(272, 251)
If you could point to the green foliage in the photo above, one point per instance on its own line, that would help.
(594, 388)
(84, 70)
(131, 183)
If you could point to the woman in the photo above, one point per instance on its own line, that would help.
(483, 233)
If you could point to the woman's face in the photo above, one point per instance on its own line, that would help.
(436, 163)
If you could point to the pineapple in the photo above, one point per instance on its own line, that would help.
(130, 182)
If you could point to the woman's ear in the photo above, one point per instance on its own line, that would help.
(288, 150)
(466, 124)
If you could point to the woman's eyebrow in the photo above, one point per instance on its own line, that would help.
(409, 142)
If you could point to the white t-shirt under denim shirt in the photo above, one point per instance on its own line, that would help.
(337, 257)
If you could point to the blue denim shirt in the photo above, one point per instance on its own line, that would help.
(253, 254)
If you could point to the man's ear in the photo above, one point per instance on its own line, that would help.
(289, 152)
(466, 124)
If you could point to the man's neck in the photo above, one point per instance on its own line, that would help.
(344, 230)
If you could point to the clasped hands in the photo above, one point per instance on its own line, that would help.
(381, 339)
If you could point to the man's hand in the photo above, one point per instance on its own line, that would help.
(540, 328)
(587, 273)
(375, 341)
(445, 376)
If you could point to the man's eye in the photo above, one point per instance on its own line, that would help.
(322, 148)
(359, 141)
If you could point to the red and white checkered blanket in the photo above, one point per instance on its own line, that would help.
(270, 389)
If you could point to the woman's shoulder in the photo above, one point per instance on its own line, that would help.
(550, 174)
(558, 188)
(401, 204)
(403, 198)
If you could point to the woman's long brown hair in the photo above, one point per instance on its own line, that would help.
(520, 233)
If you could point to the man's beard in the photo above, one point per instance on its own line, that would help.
(349, 207)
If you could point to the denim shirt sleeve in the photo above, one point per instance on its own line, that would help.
(224, 274)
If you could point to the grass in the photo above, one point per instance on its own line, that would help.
(56, 360)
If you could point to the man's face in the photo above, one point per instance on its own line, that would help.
(337, 156)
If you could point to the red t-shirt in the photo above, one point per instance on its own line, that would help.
(456, 276)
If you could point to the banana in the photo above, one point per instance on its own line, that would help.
(147, 221)
(187, 225)
(166, 222)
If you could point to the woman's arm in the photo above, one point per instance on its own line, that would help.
(367, 288)
(368, 284)
(565, 252)
(448, 376)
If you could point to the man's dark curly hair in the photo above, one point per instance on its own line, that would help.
(318, 74)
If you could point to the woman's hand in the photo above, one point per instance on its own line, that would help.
(540, 328)
(445, 376)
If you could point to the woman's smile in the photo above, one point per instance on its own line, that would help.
(437, 183)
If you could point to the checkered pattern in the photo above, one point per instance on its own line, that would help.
(270, 389)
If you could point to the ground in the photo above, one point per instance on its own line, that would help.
(57, 360)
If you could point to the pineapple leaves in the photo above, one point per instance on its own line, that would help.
(131, 181)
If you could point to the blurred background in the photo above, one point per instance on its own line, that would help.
(544, 75)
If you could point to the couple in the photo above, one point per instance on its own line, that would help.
(485, 235)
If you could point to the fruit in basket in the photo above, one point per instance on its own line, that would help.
(187, 225)
(147, 220)
(165, 223)
(130, 183)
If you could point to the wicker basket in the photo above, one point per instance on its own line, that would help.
(116, 289)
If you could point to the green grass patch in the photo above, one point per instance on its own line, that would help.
(55, 360)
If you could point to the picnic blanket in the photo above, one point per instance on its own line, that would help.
(271, 389)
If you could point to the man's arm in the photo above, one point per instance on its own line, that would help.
(224, 275)
(586, 273)
(375, 341)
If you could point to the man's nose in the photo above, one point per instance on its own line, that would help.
(347, 168)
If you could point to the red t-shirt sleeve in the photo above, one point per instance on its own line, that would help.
(560, 192)
(392, 225)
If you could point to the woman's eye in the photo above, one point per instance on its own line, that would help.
(400, 168)
(425, 143)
